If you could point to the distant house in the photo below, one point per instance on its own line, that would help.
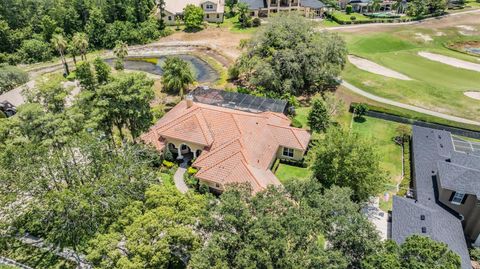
(231, 137)
(213, 9)
(446, 192)
(264, 8)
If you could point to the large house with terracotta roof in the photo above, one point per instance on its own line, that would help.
(229, 145)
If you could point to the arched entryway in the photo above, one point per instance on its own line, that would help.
(197, 153)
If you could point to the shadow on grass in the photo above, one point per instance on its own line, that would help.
(360, 119)
(193, 30)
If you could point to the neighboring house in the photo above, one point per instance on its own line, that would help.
(213, 9)
(445, 204)
(230, 145)
(263, 8)
(367, 6)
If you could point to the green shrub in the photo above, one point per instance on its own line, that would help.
(475, 254)
(168, 155)
(203, 188)
(405, 184)
(256, 22)
(33, 50)
(352, 18)
(168, 164)
(296, 123)
(348, 9)
(11, 77)
(233, 72)
(275, 166)
(190, 180)
(192, 171)
(167, 179)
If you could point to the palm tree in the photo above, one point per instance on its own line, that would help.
(80, 43)
(60, 45)
(120, 51)
(176, 75)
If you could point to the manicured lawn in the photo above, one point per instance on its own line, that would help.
(287, 172)
(381, 133)
(347, 17)
(234, 26)
(301, 115)
(435, 86)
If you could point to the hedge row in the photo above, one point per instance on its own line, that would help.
(407, 170)
(378, 20)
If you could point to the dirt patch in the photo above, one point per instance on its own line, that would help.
(470, 47)
(474, 95)
(423, 37)
(450, 61)
(372, 67)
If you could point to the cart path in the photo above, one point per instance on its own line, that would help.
(406, 106)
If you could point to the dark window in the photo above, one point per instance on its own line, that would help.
(184, 147)
(424, 230)
(208, 16)
(218, 16)
(169, 18)
(457, 198)
(287, 152)
(422, 217)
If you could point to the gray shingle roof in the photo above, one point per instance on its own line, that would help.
(254, 4)
(429, 148)
(459, 178)
(312, 3)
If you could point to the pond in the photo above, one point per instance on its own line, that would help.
(473, 50)
(202, 71)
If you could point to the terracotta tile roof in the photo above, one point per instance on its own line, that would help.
(238, 146)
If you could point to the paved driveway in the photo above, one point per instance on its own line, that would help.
(178, 178)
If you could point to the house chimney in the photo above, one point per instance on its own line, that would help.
(189, 99)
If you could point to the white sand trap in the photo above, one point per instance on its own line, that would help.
(466, 27)
(450, 61)
(439, 33)
(466, 30)
(372, 67)
(474, 95)
(423, 37)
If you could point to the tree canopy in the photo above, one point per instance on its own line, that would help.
(177, 75)
(346, 160)
(288, 56)
(27, 26)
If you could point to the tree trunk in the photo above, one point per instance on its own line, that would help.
(64, 61)
(74, 59)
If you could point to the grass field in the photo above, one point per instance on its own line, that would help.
(434, 86)
(381, 133)
(287, 172)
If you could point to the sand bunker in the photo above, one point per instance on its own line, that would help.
(466, 30)
(466, 27)
(423, 37)
(372, 67)
(450, 61)
(474, 95)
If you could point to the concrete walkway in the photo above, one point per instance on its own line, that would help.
(405, 106)
(178, 178)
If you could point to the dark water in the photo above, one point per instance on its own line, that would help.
(473, 50)
(202, 71)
